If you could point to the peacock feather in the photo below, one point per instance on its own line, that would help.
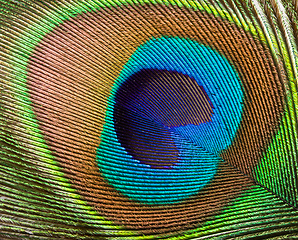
(167, 119)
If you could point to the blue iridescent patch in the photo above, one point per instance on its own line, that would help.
(199, 145)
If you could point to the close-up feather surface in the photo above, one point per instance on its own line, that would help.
(168, 119)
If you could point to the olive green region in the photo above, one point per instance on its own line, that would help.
(36, 202)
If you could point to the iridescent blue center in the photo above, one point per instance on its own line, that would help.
(184, 156)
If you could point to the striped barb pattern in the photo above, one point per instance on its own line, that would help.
(168, 119)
